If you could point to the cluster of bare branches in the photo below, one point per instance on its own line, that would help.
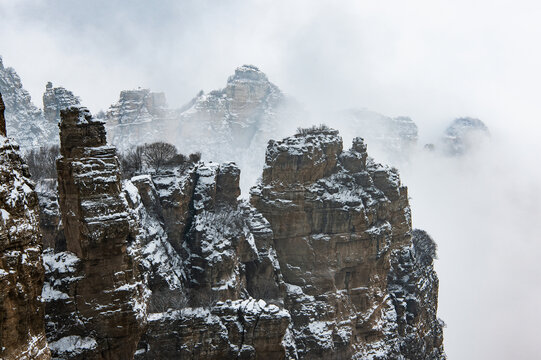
(321, 128)
(42, 162)
(153, 157)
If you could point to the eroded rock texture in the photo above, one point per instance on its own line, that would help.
(321, 264)
(342, 227)
(22, 333)
(96, 299)
(210, 266)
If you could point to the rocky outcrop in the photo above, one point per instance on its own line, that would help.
(22, 333)
(342, 229)
(230, 124)
(463, 135)
(210, 275)
(140, 116)
(24, 121)
(56, 99)
(96, 299)
(236, 122)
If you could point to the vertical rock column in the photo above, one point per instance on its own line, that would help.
(2, 119)
(22, 334)
(110, 298)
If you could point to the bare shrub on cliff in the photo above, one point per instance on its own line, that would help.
(42, 162)
(158, 154)
(321, 128)
(131, 162)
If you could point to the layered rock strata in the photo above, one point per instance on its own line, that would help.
(96, 299)
(210, 275)
(22, 333)
(322, 263)
(342, 227)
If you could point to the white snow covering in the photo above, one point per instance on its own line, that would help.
(73, 345)
(62, 262)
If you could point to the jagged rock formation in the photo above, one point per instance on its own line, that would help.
(231, 124)
(96, 300)
(234, 117)
(55, 100)
(463, 135)
(322, 264)
(140, 116)
(393, 139)
(208, 258)
(22, 334)
(24, 121)
(341, 226)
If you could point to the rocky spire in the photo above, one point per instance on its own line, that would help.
(98, 229)
(2, 119)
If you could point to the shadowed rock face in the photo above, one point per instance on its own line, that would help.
(22, 333)
(2, 119)
(104, 296)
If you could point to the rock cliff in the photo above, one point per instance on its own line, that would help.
(96, 298)
(321, 263)
(140, 116)
(24, 121)
(342, 234)
(22, 333)
(56, 99)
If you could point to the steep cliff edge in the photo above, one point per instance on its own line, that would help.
(22, 333)
(96, 299)
(342, 231)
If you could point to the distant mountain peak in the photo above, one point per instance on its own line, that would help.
(248, 72)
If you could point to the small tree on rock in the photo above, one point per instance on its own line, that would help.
(158, 154)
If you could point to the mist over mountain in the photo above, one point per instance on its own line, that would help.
(444, 92)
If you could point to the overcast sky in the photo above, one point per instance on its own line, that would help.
(430, 60)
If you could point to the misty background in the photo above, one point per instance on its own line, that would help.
(430, 60)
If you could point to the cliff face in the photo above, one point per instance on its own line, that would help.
(56, 99)
(139, 116)
(24, 121)
(322, 264)
(342, 228)
(96, 300)
(22, 334)
(209, 264)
